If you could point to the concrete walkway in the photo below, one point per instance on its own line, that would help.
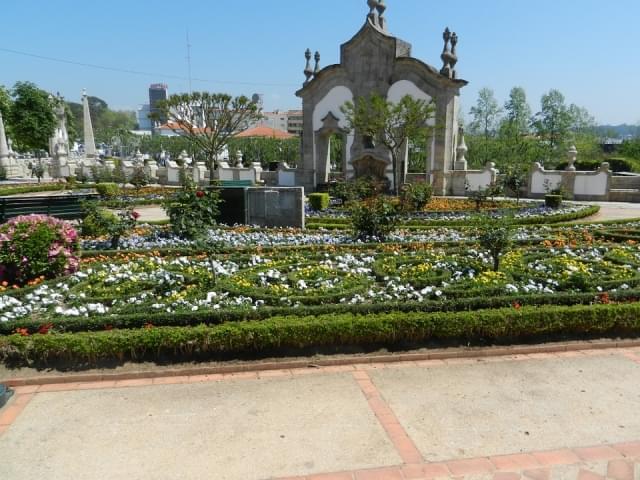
(571, 415)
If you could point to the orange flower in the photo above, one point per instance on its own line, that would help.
(23, 331)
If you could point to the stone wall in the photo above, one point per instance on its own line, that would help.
(275, 207)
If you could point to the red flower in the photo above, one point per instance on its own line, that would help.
(200, 194)
(44, 329)
(517, 306)
(135, 215)
(23, 331)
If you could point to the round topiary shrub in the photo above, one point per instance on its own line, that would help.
(35, 246)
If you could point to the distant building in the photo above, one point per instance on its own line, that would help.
(157, 92)
(265, 132)
(294, 122)
(142, 117)
(289, 121)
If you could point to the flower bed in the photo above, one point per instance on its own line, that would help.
(262, 290)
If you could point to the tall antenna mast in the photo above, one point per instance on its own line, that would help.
(189, 60)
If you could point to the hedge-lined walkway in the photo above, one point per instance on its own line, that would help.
(569, 415)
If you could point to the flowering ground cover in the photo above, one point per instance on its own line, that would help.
(250, 291)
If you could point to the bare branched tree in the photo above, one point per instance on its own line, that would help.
(207, 120)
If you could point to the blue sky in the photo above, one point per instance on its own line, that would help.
(587, 49)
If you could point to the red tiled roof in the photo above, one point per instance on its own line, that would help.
(265, 132)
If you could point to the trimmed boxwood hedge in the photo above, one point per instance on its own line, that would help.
(342, 224)
(286, 334)
(217, 317)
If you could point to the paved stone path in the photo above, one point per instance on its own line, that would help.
(570, 415)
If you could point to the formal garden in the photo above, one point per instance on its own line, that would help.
(371, 271)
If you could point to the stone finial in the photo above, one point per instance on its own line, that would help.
(446, 53)
(376, 13)
(308, 73)
(461, 150)
(316, 70)
(572, 155)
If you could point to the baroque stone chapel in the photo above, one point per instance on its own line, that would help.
(376, 61)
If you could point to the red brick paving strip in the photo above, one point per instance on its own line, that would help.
(14, 408)
(387, 418)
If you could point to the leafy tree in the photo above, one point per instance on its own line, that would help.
(389, 124)
(32, 118)
(266, 150)
(518, 111)
(581, 120)
(486, 114)
(208, 120)
(553, 123)
(106, 122)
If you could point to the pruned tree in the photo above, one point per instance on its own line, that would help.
(390, 124)
(207, 120)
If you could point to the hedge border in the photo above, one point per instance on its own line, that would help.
(285, 334)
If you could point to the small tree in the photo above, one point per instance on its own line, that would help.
(139, 178)
(207, 120)
(514, 180)
(494, 234)
(389, 124)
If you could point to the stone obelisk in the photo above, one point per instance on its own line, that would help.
(4, 146)
(89, 141)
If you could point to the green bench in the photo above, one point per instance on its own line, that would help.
(236, 183)
(67, 207)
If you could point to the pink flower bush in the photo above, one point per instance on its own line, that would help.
(36, 246)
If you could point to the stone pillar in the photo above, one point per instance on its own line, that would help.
(89, 140)
(4, 146)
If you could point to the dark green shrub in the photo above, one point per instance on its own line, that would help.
(620, 165)
(416, 196)
(191, 210)
(96, 220)
(373, 219)
(108, 190)
(319, 201)
(3, 173)
(106, 223)
(139, 178)
(553, 201)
